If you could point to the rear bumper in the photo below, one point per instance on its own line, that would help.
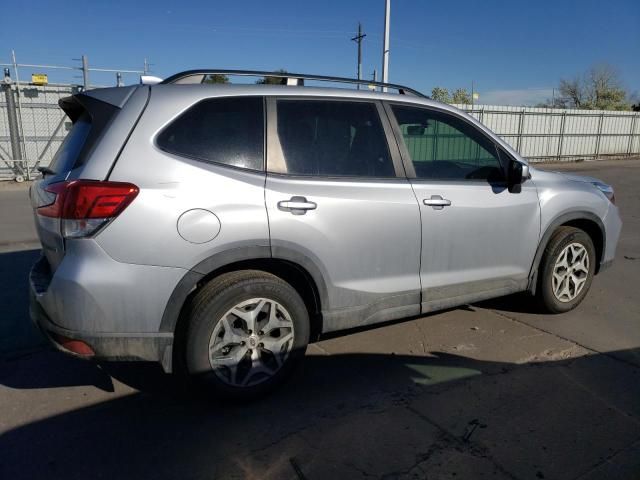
(155, 347)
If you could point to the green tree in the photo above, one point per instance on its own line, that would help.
(461, 96)
(216, 78)
(440, 94)
(272, 80)
(597, 89)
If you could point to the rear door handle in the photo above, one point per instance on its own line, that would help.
(437, 202)
(297, 205)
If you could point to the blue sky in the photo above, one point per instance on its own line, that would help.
(514, 51)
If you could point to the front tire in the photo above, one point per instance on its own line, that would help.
(247, 332)
(567, 270)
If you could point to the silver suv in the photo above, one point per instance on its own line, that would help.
(217, 229)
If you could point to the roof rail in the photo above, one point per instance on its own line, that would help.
(198, 76)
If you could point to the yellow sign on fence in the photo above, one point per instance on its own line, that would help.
(39, 78)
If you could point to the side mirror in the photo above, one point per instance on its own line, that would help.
(517, 174)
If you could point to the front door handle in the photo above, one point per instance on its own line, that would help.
(297, 205)
(437, 202)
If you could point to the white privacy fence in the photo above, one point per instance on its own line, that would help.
(553, 134)
(32, 126)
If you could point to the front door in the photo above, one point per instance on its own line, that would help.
(478, 239)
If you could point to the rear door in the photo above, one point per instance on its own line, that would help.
(338, 201)
(478, 239)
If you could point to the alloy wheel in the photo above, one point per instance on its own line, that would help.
(251, 342)
(570, 272)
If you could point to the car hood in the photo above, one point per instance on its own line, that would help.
(571, 176)
(580, 178)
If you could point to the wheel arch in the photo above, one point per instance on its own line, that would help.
(296, 270)
(588, 222)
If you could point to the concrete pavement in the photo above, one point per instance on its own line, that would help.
(483, 391)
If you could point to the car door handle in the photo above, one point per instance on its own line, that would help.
(297, 205)
(437, 202)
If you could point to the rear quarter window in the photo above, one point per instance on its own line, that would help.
(228, 131)
(69, 152)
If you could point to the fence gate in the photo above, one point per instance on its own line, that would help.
(32, 127)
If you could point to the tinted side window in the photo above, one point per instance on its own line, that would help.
(219, 130)
(444, 147)
(333, 138)
(67, 155)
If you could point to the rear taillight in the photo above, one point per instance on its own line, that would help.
(85, 206)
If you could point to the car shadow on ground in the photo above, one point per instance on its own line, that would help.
(17, 334)
(341, 416)
(345, 416)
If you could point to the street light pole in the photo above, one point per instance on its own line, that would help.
(385, 45)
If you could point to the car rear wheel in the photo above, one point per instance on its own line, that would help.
(567, 270)
(247, 331)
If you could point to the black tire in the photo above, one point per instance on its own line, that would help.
(560, 239)
(213, 301)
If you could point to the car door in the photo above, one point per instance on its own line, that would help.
(340, 205)
(478, 238)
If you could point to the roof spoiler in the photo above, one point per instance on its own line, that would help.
(149, 80)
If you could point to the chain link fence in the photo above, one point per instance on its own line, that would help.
(32, 127)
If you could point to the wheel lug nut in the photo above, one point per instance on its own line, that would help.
(249, 332)
(261, 345)
(242, 343)
(260, 332)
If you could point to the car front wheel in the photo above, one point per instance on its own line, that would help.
(567, 270)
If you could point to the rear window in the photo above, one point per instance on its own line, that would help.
(229, 131)
(69, 152)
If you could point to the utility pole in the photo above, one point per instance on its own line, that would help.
(358, 39)
(385, 45)
(85, 72)
(472, 96)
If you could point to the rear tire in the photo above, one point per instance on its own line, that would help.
(247, 332)
(566, 270)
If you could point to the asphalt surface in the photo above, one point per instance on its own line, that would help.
(491, 390)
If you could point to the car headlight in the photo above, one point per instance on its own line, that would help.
(606, 189)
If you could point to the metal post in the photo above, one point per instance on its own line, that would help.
(385, 45)
(85, 72)
(634, 122)
(473, 101)
(119, 79)
(561, 136)
(12, 117)
(599, 135)
(20, 129)
(520, 125)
